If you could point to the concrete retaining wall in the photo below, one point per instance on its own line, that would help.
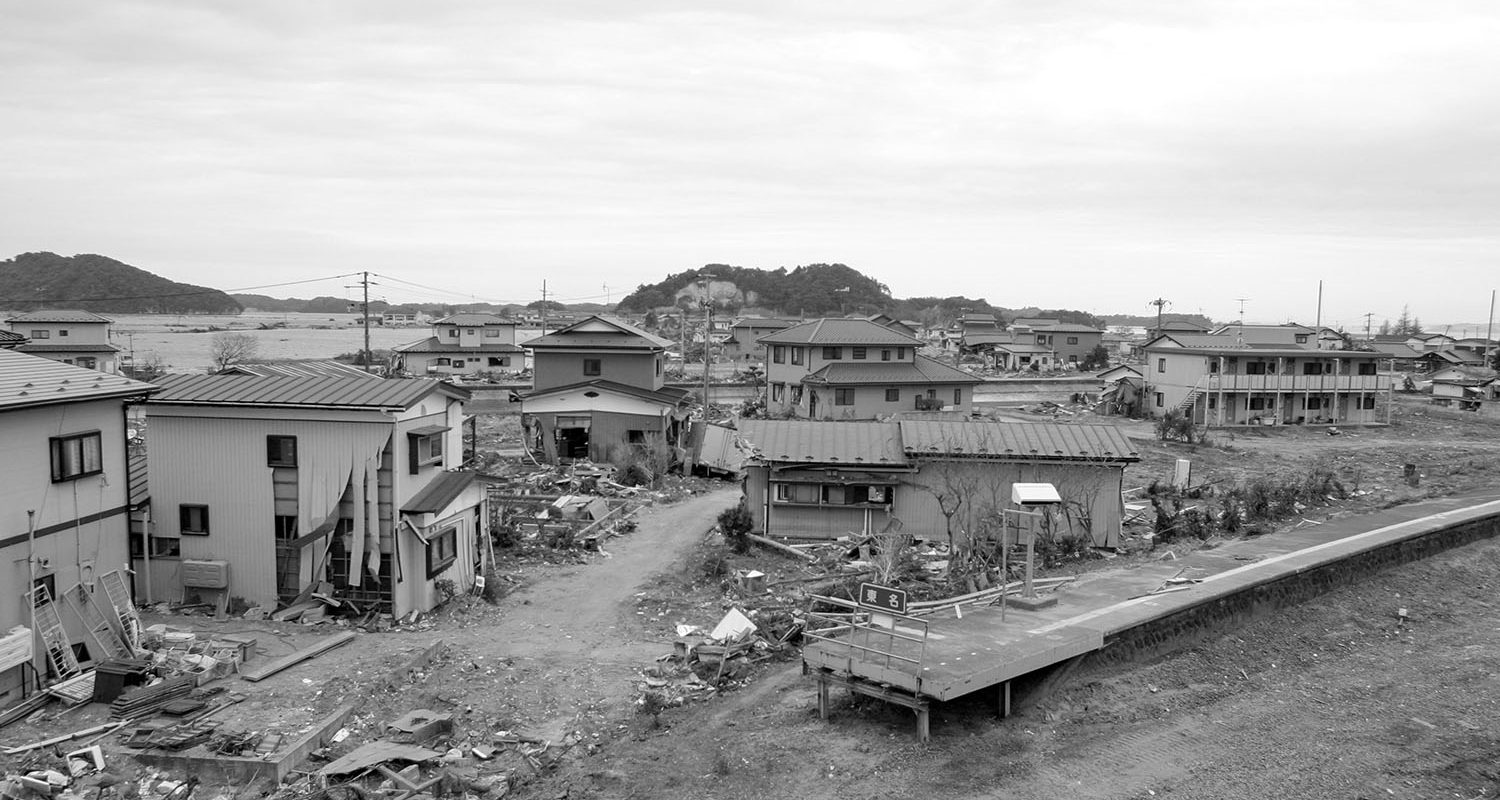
(1217, 615)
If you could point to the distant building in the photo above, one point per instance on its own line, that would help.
(80, 338)
(850, 369)
(743, 345)
(463, 344)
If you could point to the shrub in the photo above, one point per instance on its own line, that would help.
(1177, 426)
(735, 523)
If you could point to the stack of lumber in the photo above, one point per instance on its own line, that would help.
(150, 699)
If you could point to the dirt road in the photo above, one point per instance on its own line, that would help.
(571, 643)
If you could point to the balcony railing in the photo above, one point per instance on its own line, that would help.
(1298, 383)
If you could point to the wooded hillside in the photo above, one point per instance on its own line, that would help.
(32, 281)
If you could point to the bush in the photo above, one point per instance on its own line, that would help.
(735, 523)
(1176, 425)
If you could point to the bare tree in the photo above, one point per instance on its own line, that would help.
(229, 349)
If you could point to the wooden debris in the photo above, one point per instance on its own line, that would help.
(277, 665)
(67, 737)
(772, 544)
(145, 700)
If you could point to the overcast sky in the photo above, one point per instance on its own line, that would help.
(1090, 155)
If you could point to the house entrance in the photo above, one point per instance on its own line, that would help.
(573, 437)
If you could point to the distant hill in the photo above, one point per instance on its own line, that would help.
(813, 290)
(32, 281)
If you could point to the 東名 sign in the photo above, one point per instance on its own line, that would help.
(882, 597)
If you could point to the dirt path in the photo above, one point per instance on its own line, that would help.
(572, 643)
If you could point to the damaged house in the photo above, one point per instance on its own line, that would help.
(823, 480)
(598, 385)
(64, 498)
(273, 487)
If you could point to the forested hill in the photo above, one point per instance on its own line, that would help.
(812, 289)
(32, 281)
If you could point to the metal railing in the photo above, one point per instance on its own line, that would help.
(861, 634)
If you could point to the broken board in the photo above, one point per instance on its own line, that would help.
(277, 665)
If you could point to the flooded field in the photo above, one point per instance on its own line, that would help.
(183, 342)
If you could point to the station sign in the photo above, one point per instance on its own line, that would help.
(885, 598)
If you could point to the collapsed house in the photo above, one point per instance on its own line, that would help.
(271, 488)
(822, 480)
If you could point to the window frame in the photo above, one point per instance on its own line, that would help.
(859, 353)
(593, 367)
(798, 358)
(276, 456)
(892, 394)
(843, 396)
(185, 512)
(416, 456)
(778, 354)
(56, 454)
(445, 539)
(1161, 365)
(833, 353)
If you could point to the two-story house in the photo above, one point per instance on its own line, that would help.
(280, 485)
(743, 345)
(64, 494)
(1223, 379)
(598, 385)
(72, 337)
(463, 344)
(843, 369)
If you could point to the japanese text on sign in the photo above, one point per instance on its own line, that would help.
(882, 597)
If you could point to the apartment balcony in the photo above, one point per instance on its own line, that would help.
(1298, 383)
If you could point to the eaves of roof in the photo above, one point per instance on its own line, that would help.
(308, 392)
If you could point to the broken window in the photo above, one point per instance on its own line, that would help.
(502, 361)
(76, 456)
(286, 527)
(193, 519)
(281, 451)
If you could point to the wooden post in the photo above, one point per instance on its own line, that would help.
(822, 696)
(1004, 704)
(924, 728)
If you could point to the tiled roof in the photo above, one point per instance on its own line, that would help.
(863, 443)
(438, 493)
(475, 319)
(627, 337)
(59, 315)
(433, 344)
(762, 322)
(308, 368)
(923, 371)
(33, 381)
(10, 338)
(838, 330)
(1017, 440)
(980, 338)
(248, 390)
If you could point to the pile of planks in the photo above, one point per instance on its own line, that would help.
(150, 699)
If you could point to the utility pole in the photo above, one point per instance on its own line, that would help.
(1318, 325)
(708, 330)
(1489, 331)
(364, 316)
(1368, 314)
(544, 306)
(1160, 303)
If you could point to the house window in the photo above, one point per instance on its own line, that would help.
(492, 333)
(805, 493)
(1161, 365)
(442, 362)
(1367, 368)
(1040, 339)
(1213, 366)
(836, 494)
(635, 436)
(859, 353)
(442, 550)
(778, 391)
(62, 333)
(161, 546)
(76, 456)
(502, 361)
(425, 448)
(778, 353)
(833, 353)
(1262, 403)
(1314, 403)
(1312, 368)
(796, 395)
(892, 395)
(1072, 340)
(796, 355)
(658, 367)
(193, 519)
(468, 331)
(843, 397)
(453, 333)
(1301, 338)
(1367, 403)
(1160, 401)
(281, 451)
(1213, 401)
(286, 527)
(958, 396)
(593, 366)
(885, 355)
(901, 354)
(41, 334)
(1255, 367)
